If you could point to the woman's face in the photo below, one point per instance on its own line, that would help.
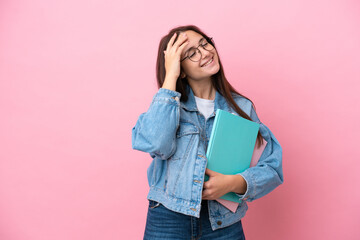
(196, 71)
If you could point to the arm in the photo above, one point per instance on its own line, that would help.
(261, 179)
(155, 130)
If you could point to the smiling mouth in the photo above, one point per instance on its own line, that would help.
(209, 62)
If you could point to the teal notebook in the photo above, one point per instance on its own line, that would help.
(231, 145)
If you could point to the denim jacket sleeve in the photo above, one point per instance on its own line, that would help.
(267, 174)
(155, 130)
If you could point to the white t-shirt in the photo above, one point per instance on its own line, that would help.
(205, 106)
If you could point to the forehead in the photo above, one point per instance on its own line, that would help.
(193, 38)
(193, 35)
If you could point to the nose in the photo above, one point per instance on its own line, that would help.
(204, 53)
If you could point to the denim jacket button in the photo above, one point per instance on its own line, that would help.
(219, 223)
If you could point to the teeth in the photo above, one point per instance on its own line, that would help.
(208, 62)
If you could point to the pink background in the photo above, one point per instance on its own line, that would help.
(75, 76)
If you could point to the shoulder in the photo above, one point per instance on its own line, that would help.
(244, 103)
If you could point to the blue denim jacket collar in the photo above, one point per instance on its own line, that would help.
(190, 104)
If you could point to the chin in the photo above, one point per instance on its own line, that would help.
(209, 72)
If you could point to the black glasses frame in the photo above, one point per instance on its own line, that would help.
(197, 48)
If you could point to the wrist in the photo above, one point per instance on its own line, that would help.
(171, 79)
(238, 184)
(169, 83)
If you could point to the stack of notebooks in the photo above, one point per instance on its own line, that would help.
(231, 149)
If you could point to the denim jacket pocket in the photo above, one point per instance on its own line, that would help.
(184, 137)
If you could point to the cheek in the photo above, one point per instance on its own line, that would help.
(217, 56)
(184, 67)
(190, 68)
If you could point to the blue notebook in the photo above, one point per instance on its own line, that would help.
(231, 145)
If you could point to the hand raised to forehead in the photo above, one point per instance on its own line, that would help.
(172, 54)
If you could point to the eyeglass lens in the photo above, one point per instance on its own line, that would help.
(195, 54)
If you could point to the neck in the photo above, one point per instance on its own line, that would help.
(203, 89)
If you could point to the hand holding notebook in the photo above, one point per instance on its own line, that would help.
(232, 206)
(231, 146)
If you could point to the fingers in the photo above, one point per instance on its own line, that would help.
(180, 42)
(180, 49)
(207, 195)
(210, 172)
(204, 194)
(206, 185)
(171, 42)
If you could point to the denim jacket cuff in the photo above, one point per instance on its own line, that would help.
(249, 187)
(167, 95)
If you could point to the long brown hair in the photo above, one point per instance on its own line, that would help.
(218, 80)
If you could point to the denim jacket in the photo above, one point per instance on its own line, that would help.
(176, 135)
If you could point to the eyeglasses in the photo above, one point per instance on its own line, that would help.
(194, 54)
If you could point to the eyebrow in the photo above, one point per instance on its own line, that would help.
(193, 46)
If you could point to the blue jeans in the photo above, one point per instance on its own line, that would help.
(162, 223)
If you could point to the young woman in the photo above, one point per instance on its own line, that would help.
(176, 130)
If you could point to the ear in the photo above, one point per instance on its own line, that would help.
(182, 75)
